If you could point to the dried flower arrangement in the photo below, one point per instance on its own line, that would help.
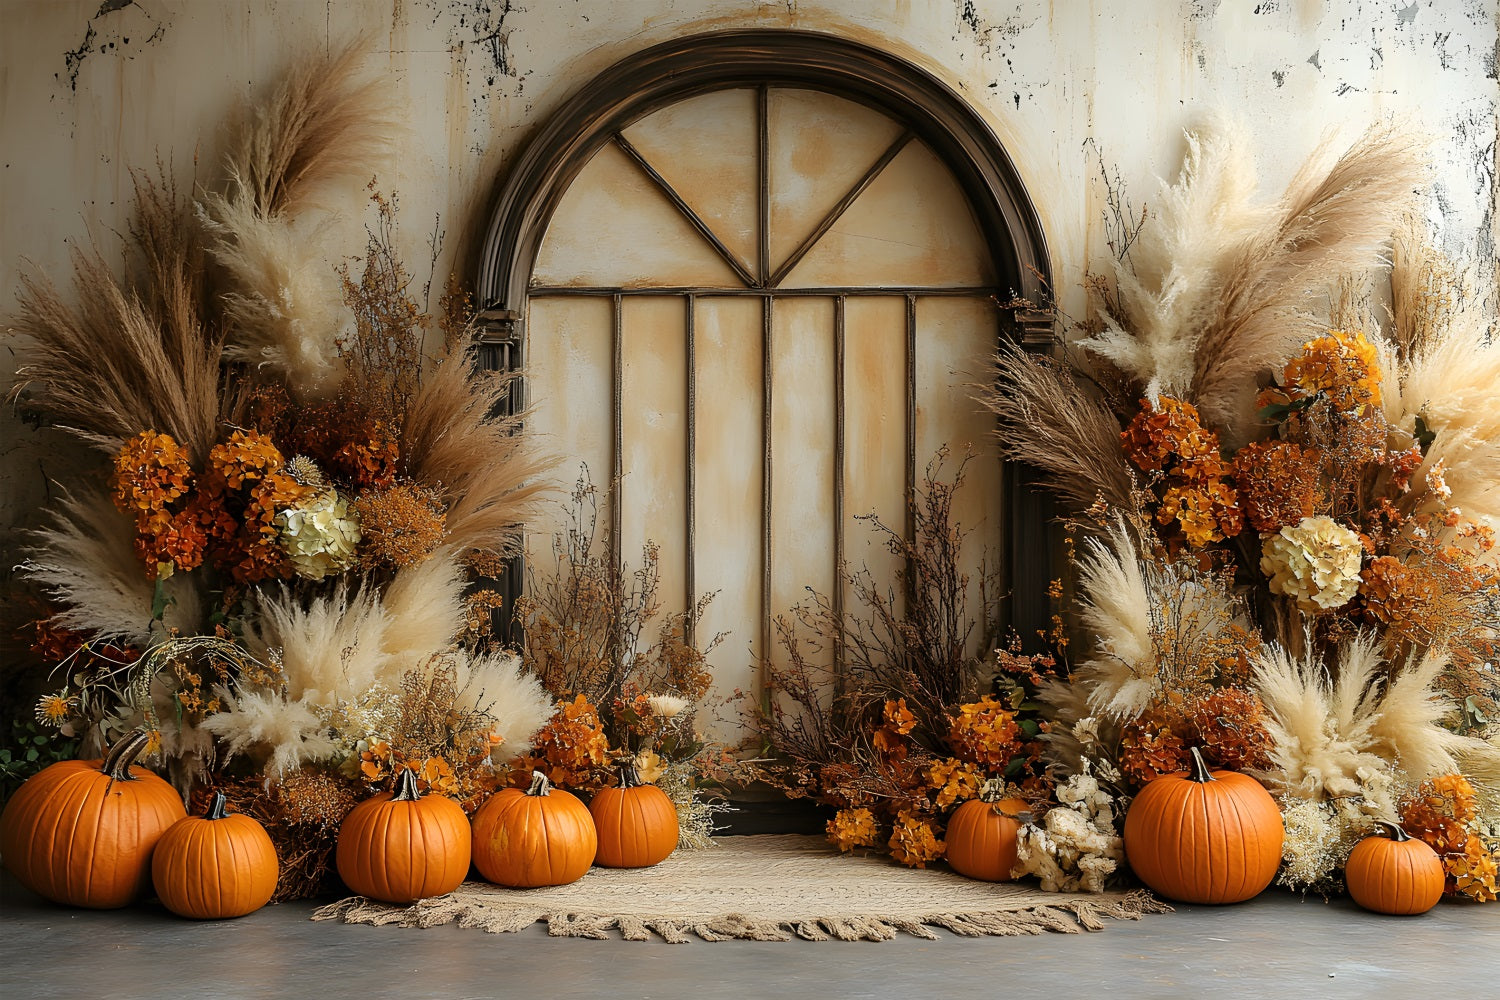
(887, 712)
(274, 583)
(1289, 559)
(621, 698)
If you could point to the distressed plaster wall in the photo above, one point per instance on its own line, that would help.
(89, 90)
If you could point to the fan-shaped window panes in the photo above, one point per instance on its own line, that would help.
(761, 309)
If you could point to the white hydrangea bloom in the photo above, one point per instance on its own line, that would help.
(320, 535)
(1315, 562)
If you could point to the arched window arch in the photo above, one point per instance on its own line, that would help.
(751, 272)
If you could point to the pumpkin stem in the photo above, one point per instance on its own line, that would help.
(1199, 772)
(1393, 830)
(539, 784)
(117, 761)
(406, 786)
(216, 808)
(993, 790)
(630, 777)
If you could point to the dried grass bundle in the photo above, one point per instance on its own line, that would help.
(86, 564)
(425, 608)
(1048, 420)
(496, 685)
(1118, 593)
(288, 733)
(454, 435)
(1167, 284)
(331, 647)
(109, 368)
(1335, 218)
(1332, 731)
(1216, 290)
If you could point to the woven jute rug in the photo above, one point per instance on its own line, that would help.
(761, 888)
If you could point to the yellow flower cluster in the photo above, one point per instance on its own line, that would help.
(914, 841)
(1341, 366)
(852, 828)
(985, 734)
(1168, 437)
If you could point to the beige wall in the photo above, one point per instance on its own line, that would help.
(90, 89)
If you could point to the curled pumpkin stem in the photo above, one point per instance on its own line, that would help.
(539, 784)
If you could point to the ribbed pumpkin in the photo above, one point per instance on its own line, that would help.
(403, 846)
(982, 834)
(1394, 873)
(539, 836)
(81, 832)
(1204, 838)
(215, 866)
(636, 823)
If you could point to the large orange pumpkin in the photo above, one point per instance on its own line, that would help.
(402, 846)
(81, 832)
(1394, 873)
(636, 823)
(539, 836)
(982, 834)
(1204, 838)
(216, 866)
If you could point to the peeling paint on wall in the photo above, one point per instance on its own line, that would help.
(114, 35)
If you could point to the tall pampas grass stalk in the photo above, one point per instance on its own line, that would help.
(424, 605)
(330, 647)
(1047, 419)
(328, 121)
(453, 434)
(1117, 599)
(497, 685)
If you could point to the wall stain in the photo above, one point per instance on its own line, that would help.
(92, 43)
(481, 24)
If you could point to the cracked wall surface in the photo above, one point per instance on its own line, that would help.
(89, 90)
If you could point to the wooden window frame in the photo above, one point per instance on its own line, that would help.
(931, 111)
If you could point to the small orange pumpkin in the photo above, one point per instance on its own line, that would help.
(403, 846)
(81, 832)
(534, 837)
(1204, 838)
(636, 823)
(215, 867)
(1394, 873)
(982, 834)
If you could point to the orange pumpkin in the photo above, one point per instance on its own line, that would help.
(539, 836)
(636, 823)
(215, 867)
(81, 832)
(982, 834)
(1204, 838)
(1394, 873)
(402, 846)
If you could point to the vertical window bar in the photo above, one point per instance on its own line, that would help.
(763, 261)
(911, 417)
(838, 494)
(690, 569)
(617, 429)
(765, 514)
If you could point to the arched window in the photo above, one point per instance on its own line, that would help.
(751, 274)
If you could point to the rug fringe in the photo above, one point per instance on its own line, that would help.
(1071, 917)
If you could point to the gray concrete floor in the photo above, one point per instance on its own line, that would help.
(1275, 946)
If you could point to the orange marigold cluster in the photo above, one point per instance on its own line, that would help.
(1277, 483)
(914, 841)
(400, 526)
(852, 828)
(1341, 367)
(1473, 872)
(571, 749)
(1440, 812)
(953, 781)
(152, 476)
(1227, 724)
(985, 734)
(1198, 490)
(238, 501)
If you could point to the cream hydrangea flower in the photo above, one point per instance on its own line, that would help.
(1316, 562)
(319, 536)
